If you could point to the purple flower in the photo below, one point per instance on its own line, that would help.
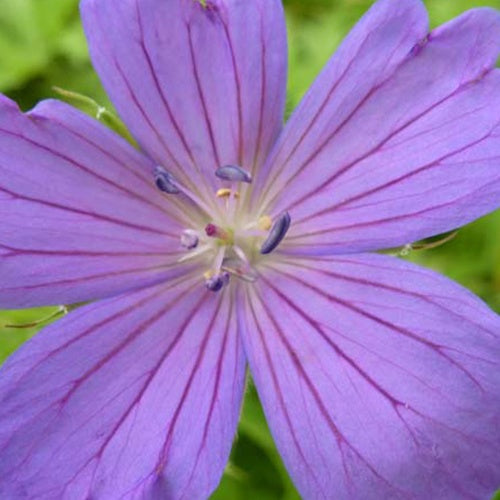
(228, 240)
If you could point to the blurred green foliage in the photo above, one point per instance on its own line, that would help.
(42, 45)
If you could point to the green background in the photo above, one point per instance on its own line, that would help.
(42, 45)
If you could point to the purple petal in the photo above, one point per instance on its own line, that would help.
(379, 379)
(80, 217)
(198, 87)
(399, 138)
(132, 397)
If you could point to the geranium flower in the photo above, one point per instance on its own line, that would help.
(227, 240)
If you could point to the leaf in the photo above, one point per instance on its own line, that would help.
(95, 110)
(12, 338)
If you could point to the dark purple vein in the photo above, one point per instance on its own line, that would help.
(163, 454)
(82, 167)
(15, 252)
(393, 182)
(239, 105)
(377, 284)
(263, 94)
(106, 152)
(107, 274)
(437, 348)
(159, 89)
(322, 107)
(279, 392)
(201, 95)
(345, 168)
(213, 399)
(337, 434)
(394, 218)
(152, 373)
(87, 213)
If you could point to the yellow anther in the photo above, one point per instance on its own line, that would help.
(208, 274)
(226, 193)
(265, 223)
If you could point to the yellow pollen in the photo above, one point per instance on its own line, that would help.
(208, 274)
(226, 193)
(265, 223)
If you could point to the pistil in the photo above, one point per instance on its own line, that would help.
(214, 231)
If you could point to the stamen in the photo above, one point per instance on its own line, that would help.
(233, 173)
(261, 225)
(265, 223)
(165, 181)
(214, 231)
(189, 239)
(277, 233)
(226, 193)
(216, 282)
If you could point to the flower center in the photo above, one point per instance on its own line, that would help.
(232, 240)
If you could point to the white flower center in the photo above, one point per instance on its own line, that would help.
(231, 244)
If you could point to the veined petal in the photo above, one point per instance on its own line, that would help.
(379, 379)
(133, 397)
(199, 87)
(381, 153)
(80, 217)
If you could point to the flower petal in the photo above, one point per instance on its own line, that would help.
(198, 87)
(80, 217)
(379, 379)
(388, 150)
(133, 397)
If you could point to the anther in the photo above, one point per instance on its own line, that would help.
(265, 223)
(165, 181)
(214, 231)
(216, 282)
(233, 173)
(276, 234)
(226, 193)
(189, 239)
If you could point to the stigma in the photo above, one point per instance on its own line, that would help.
(214, 231)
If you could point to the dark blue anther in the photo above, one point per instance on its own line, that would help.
(165, 181)
(233, 173)
(276, 234)
(218, 282)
